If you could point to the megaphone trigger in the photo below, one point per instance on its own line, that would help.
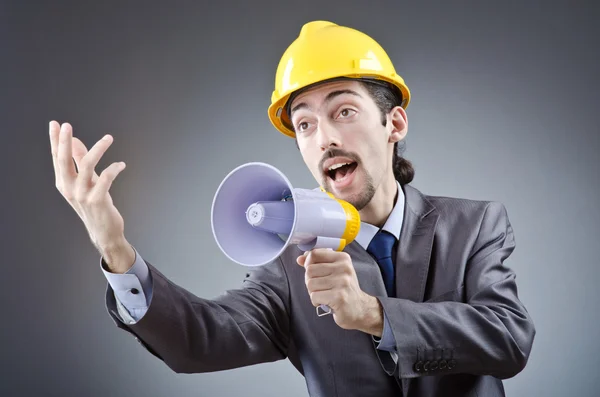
(326, 310)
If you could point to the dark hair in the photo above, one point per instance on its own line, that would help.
(387, 97)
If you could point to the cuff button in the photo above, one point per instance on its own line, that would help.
(426, 366)
(418, 366)
(451, 364)
(434, 365)
(443, 364)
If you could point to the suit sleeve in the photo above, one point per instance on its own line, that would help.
(490, 333)
(241, 327)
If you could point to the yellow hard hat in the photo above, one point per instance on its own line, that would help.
(325, 51)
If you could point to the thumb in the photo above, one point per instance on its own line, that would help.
(302, 258)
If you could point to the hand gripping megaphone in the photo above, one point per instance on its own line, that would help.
(256, 214)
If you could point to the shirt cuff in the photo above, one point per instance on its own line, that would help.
(387, 341)
(133, 288)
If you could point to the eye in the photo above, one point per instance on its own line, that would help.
(302, 126)
(347, 112)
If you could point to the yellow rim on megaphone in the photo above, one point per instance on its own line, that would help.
(352, 222)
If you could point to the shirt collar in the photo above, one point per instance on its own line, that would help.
(392, 225)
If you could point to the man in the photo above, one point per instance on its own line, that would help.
(422, 302)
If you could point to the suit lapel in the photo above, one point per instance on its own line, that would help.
(414, 251)
(415, 245)
(412, 256)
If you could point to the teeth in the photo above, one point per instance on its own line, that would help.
(336, 166)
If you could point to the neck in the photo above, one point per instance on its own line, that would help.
(382, 203)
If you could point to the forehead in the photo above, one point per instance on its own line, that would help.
(318, 93)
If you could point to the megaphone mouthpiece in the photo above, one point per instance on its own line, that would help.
(272, 216)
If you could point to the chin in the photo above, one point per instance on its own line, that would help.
(358, 193)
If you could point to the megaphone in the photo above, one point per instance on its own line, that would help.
(256, 214)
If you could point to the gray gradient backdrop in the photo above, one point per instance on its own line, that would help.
(505, 108)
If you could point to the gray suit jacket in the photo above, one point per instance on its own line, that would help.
(457, 320)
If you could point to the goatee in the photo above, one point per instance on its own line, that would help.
(363, 197)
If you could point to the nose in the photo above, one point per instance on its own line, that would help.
(328, 136)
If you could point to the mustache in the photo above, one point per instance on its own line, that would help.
(335, 152)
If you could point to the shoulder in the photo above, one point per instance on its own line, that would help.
(478, 225)
(463, 210)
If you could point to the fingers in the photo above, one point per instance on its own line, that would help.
(320, 269)
(54, 130)
(79, 152)
(320, 255)
(60, 141)
(75, 184)
(320, 284)
(65, 154)
(302, 259)
(105, 181)
(90, 160)
(324, 276)
(319, 298)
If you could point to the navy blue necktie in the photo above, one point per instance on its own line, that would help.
(381, 249)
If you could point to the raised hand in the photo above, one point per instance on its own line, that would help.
(87, 192)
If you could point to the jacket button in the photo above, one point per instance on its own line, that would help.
(418, 366)
(134, 291)
(451, 364)
(443, 364)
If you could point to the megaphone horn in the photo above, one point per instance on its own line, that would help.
(256, 214)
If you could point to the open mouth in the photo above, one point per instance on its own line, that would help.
(339, 172)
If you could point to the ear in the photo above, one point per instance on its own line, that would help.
(397, 124)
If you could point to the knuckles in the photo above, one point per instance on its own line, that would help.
(343, 297)
(69, 196)
(93, 201)
(345, 281)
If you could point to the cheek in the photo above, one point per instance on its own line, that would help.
(311, 159)
(374, 159)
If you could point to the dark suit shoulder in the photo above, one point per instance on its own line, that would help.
(449, 205)
(465, 213)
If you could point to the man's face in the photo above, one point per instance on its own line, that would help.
(343, 141)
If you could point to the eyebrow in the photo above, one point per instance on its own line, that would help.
(328, 98)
